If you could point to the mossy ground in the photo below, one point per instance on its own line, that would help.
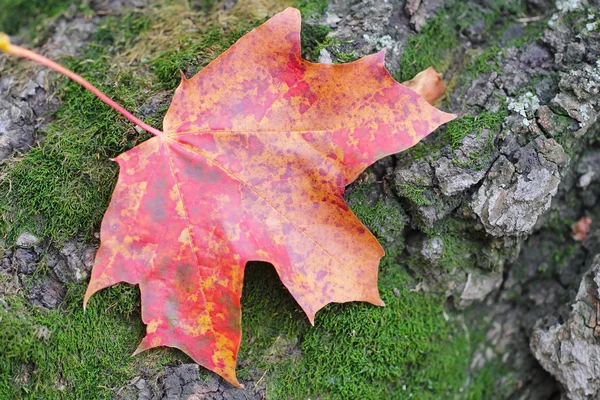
(17, 14)
(62, 187)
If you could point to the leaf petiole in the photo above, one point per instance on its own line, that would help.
(18, 51)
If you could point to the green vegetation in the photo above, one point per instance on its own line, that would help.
(486, 61)
(414, 193)
(577, 19)
(459, 251)
(17, 14)
(436, 46)
(311, 8)
(360, 351)
(67, 353)
(315, 39)
(312, 37)
(462, 248)
(381, 217)
(533, 32)
(468, 124)
(335, 47)
(431, 47)
(452, 135)
(62, 187)
(193, 53)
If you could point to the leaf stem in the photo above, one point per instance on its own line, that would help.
(18, 51)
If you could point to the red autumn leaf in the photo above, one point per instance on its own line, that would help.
(256, 151)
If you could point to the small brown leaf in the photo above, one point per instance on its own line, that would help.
(428, 84)
(581, 228)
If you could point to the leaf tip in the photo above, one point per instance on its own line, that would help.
(449, 117)
(143, 346)
(376, 300)
(380, 58)
(292, 10)
(229, 375)
(136, 352)
(86, 297)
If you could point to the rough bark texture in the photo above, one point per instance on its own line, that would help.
(538, 166)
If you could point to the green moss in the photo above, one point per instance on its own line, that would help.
(311, 8)
(486, 61)
(458, 250)
(462, 248)
(414, 193)
(335, 47)
(66, 353)
(121, 33)
(461, 127)
(431, 47)
(269, 313)
(376, 214)
(382, 215)
(311, 37)
(17, 14)
(457, 129)
(205, 5)
(314, 39)
(419, 150)
(62, 187)
(443, 372)
(355, 350)
(577, 19)
(533, 32)
(485, 385)
(361, 351)
(436, 43)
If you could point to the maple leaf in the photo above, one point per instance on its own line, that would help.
(251, 165)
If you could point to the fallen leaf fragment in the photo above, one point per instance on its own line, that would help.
(581, 228)
(428, 84)
(251, 166)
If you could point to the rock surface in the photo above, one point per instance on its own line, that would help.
(184, 382)
(570, 350)
(43, 270)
